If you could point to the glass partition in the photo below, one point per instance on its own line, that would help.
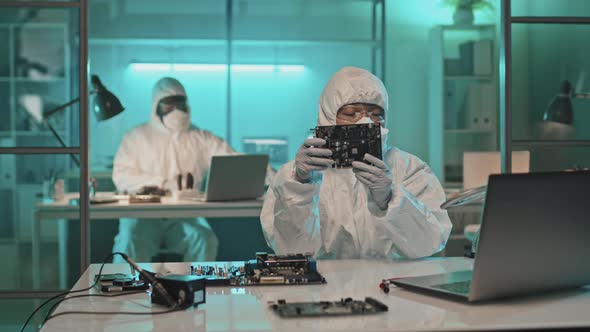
(39, 72)
(560, 50)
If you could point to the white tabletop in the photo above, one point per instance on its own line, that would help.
(246, 309)
(168, 208)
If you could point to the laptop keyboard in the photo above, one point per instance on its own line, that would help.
(461, 287)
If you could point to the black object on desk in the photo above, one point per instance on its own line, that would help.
(152, 190)
(120, 282)
(190, 181)
(186, 290)
(133, 199)
(76, 201)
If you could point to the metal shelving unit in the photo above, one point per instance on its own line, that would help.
(450, 133)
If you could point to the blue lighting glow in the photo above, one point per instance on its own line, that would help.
(201, 67)
(253, 68)
(291, 68)
(151, 66)
(198, 67)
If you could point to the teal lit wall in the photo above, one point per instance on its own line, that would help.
(285, 104)
(267, 104)
(408, 51)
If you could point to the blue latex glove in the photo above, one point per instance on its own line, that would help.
(378, 178)
(311, 158)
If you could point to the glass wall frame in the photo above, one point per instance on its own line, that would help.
(76, 141)
(509, 81)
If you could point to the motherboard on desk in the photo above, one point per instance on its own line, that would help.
(350, 143)
(266, 269)
(344, 307)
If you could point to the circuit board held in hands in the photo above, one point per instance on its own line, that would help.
(351, 142)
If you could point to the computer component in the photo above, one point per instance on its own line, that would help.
(266, 269)
(120, 282)
(344, 307)
(288, 269)
(108, 279)
(185, 290)
(351, 142)
(138, 199)
(152, 190)
(533, 238)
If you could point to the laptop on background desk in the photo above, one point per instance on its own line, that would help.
(236, 177)
(534, 238)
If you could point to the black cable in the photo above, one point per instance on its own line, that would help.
(86, 295)
(139, 313)
(70, 292)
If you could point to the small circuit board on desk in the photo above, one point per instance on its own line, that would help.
(139, 199)
(350, 143)
(119, 282)
(266, 269)
(344, 307)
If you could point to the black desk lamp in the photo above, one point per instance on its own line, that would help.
(105, 106)
(561, 109)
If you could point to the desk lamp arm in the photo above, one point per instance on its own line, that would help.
(50, 113)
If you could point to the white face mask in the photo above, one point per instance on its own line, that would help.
(384, 132)
(176, 120)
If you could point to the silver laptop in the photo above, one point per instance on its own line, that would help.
(236, 177)
(534, 238)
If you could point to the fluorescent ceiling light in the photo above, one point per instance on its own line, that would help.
(259, 68)
(198, 67)
(151, 66)
(291, 68)
(202, 67)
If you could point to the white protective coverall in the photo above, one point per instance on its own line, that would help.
(333, 216)
(153, 155)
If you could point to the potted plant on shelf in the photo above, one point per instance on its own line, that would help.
(464, 9)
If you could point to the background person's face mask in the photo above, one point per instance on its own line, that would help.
(176, 120)
(173, 112)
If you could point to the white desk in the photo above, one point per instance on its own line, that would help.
(246, 309)
(167, 209)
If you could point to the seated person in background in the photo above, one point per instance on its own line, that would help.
(155, 154)
(388, 210)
